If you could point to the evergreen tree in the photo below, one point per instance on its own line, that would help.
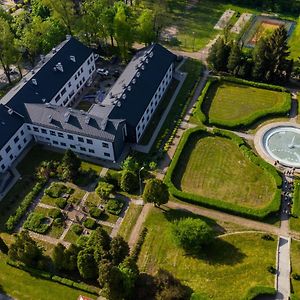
(86, 264)
(234, 59)
(58, 256)
(71, 165)
(218, 56)
(156, 191)
(260, 60)
(119, 249)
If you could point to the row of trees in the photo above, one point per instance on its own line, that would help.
(44, 24)
(268, 61)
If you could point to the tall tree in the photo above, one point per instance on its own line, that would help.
(71, 164)
(145, 29)
(119, 249)
(234, 59)
(218, 55)
(156, 191)
(7, 48)
(86, 264)
(25, 249)
(123, 29)
(63, 11)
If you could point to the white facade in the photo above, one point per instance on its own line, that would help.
(78, 143)
(75, 84)
(14, 147)
(142, 125)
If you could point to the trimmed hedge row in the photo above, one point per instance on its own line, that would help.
(138, 247)
(21, 210)
(259, 291)
(258, 214)
(198, 110)
(48, 276)
(276, 111)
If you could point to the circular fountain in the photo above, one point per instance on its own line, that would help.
(282, 144)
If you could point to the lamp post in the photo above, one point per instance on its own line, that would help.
(140, 179)
(193, 41)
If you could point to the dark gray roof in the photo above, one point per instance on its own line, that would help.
(49, 82)
(134, 89)
(72, 121)
(9, 125)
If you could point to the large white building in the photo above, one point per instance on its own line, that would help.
(39, 107)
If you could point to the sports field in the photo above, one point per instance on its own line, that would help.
(214, 167)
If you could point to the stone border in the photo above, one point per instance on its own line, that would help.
(258, 141)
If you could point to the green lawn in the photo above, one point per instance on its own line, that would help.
(295, 259)
(295, 218)
(21, 285)
(214, 167)
(229, 267)
(233, 104)
(129, 221)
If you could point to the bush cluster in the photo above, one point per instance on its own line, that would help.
(55, 278)
(37, 222)
(56, 190)
(259, 291)
(90, 223)
(77, 229)
(61, 202)
(55, 213)
(258, 214)
(21, 210)
(95, 212)
(114, 206)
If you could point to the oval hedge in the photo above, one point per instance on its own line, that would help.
(246, 121)
(259, 291)
(257, 214)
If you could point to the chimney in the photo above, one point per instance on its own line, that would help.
(72, 58)
(34, 81)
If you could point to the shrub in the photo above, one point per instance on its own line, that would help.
(258, 214)
(29, 198)
(77, 229)
(129, 181)
(296, 276)
(3, 247)
(259, 291)
(271, 269)
(61, 203)
(55, 213)
(267, 237)
(95, 212)
(37, 222)
(104, 189)
(90, 223)
(192, 234)
(57, 190)
(114, 206)
(58, 222)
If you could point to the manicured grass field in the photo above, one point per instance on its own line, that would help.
(21, 285)
(230, 103)
(214, 167)
(294, 43)
(129, 221)
(295, 253)
(230, 266)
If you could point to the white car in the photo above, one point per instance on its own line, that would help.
(102, 72)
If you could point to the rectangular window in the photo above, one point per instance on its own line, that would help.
(81, 69)
(91, 151)
(80, 139)
(1, 157)
(82, 149)
(69, 84)
(83, 79)
(89, 141)
(72, 146)
(25, 141)
(43, 130)
(11, 157)
(28, 127)
(16, 139)
(63, 144)
(8, 148)
(60, 134)
(57, 98)
(63, 91)
(106, 154)
(77, 85)
(70, 137)
(52, 132)
(22, 132)
(75, 77)
(19, 147)
(35, 129)
(105, 145)
(55, 142)
(2, 167)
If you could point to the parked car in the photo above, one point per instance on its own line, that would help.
(102, 72)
